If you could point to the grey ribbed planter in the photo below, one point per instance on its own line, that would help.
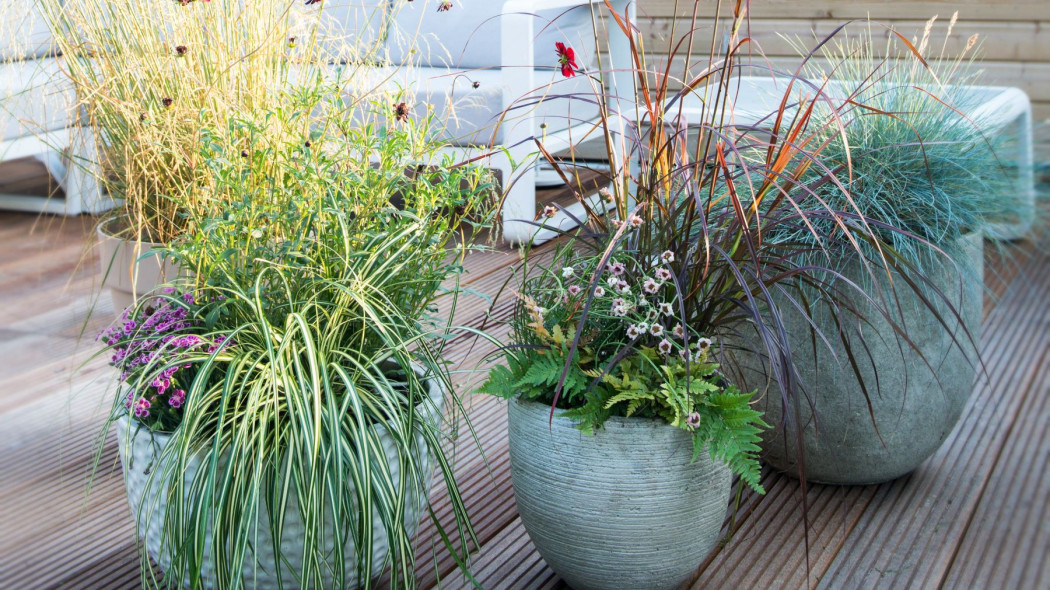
(624, 509)
(915, 409)
(148, 511)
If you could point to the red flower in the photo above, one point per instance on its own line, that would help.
(401, 112)
(566, 59)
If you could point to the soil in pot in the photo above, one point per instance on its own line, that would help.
(915, 406)
(624, 509)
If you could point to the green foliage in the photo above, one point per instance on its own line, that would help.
(907, 151)
(634, 359)
(319, 275)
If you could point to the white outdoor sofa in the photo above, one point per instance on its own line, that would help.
(37, 115)
(483, 58)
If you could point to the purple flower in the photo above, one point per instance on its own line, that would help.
(617, 268)
(574, 290)
(177, 399)
(650, 286)
(663, 275)
(679, 331)
(142, 408)
(693, 421)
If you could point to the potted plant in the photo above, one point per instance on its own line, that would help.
(306, 421)
(900, 363)
(625, 420)
(623, 432)
(150, 77)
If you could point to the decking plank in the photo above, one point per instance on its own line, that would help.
(908, 534)
(1002, 542)
(944, 516)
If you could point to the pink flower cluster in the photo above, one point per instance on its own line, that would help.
(150, 345)
(648, 313)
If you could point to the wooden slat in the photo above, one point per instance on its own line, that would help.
(1012, 515)
(780, 37)
(905, 540)
(989, 10)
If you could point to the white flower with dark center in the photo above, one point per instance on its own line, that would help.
(633, 332)
(657, 330)
(679, 331)
(652, 315)
(612, 282)
(703, 344)
(642, 327)
(623, 288)
(666, 309)
(667, 256)
(599, 291)
(567, 272)
(643, 302)
(618, 310)
(665, 346)
(574, 290)
(650, 286)
(693, 421)
(635, 221)
(663, 275)
(617, 268)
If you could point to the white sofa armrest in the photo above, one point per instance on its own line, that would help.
(517, 23)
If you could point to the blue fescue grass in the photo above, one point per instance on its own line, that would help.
(902, 139)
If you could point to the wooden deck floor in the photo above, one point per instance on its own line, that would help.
(975, 515)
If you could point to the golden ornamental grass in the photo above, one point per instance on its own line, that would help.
(151, 75)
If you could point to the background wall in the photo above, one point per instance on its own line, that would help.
(1015, 34)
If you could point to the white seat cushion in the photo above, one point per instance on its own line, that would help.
(464, 115)
(35, 96)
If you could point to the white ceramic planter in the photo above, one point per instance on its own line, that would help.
(129, 271)
(625, 509)
(139, 450)
(915, 408)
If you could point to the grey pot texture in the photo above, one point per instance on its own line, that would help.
(914, 408)
(625, 509)
(140, 456)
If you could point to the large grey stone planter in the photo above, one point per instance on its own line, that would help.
(914, 408)
(623, 509)
(139, 451)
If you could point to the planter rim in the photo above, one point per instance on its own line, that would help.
(103, 230)
(622, 421)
